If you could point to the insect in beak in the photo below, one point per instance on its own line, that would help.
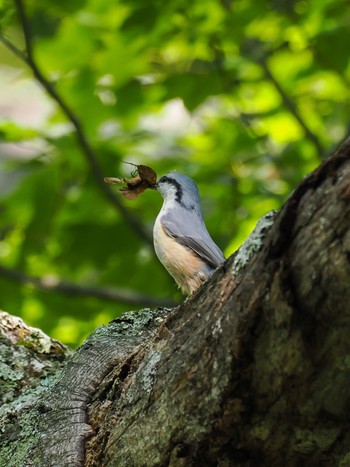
(142, 178)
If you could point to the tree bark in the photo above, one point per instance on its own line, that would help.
(253, 369)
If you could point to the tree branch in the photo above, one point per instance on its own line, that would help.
(73, 118)
(252, 369)
(50, 284)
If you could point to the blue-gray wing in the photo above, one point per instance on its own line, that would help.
(191, 232)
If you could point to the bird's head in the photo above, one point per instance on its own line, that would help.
(179, 189)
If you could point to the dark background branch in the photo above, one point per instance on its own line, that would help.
(112, 294)
(82, 140)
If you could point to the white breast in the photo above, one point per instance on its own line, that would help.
(188, 270)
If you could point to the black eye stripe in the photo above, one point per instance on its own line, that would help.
(166, 179)
(171, 181)
(176, 184)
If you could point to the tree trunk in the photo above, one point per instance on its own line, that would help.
(254, 369)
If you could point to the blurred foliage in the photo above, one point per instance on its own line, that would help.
(245, 97)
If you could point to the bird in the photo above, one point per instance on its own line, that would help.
(181, 239)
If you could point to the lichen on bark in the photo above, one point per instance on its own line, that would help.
(29, 365)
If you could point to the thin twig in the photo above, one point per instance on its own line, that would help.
(220, 57)
(293, 109)
(15, 50)
(112, 294)
(73, 118)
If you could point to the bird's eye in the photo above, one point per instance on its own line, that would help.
(163, 179)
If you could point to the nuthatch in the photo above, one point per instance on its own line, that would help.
(181, 240)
